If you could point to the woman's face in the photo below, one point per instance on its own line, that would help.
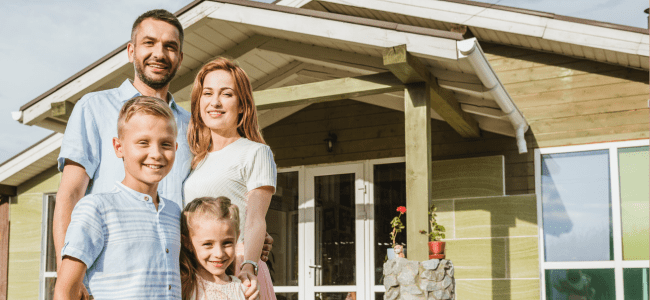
(219, 104)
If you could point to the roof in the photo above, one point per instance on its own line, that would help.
(587, 39)
(31, 161)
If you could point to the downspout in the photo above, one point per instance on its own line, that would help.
(471, 50)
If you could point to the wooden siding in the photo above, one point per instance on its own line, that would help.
(570, 101)
(367, 131)
(25, 235)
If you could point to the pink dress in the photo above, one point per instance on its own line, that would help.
(263, 275)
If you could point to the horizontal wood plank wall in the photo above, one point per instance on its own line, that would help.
(570, 101)
(366, 131)
(25, 235)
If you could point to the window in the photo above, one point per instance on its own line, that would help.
(593, 218)
(48, 255)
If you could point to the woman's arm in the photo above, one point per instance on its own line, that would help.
(258, 201)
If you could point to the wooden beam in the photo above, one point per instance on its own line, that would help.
(8, 190)
(410, 69)
(279, 76)
(355, 60)
(329, 90)
(417, 107)
(233, 53)
(62, 110)
(4, 246)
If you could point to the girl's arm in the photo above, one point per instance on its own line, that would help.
(69, 284)
(257, 205)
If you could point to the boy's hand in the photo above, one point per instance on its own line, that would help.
(266, 248)
(249, 281)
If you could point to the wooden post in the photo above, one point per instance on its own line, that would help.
(417, 115)
(4, 245)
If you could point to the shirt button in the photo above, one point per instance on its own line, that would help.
(145, 198)
(167, 250)
(170, 286)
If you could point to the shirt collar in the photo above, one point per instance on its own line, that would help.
(139, 196)
(128, 91)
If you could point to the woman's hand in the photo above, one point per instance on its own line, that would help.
(249, 281)
(266, 248)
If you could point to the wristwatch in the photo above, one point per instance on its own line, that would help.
(254, 264)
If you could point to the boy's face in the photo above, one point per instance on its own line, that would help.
(148, 148)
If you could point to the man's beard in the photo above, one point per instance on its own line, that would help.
(153, 83)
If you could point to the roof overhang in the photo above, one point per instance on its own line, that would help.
(282, 46)
(31, 162)
(599, 41)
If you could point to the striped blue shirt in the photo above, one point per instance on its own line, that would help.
(131, 250)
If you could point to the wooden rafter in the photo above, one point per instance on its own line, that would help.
(410, 69)
(329, 90)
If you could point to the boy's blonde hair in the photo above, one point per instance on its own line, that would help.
(218, 209)
(147, 106)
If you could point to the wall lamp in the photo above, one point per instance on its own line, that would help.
(330, 140)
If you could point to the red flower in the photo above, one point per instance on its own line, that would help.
(401, 209)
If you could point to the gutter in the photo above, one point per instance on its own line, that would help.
(471, 50)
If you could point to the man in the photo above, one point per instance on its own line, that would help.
(87, 159)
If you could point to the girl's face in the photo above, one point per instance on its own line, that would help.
(219, 104)
(214, 242)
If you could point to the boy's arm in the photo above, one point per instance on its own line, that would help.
(74, 182)
(69, 283)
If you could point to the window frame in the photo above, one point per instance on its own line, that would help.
(618, 264)
(45, 224)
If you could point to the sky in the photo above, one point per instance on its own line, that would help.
(46, 41)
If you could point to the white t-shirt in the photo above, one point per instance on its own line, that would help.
(232, 172)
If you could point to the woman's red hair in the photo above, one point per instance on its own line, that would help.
(198, 134)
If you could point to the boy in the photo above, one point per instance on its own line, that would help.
(126, 242)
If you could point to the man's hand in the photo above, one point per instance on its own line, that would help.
(266, 248)
(249, 281)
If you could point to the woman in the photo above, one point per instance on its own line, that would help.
(231, 159)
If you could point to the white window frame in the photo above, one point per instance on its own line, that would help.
(44, 229)
(618, 264)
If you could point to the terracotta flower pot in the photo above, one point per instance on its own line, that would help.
(436, 250)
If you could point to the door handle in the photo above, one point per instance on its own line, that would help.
(315, 267)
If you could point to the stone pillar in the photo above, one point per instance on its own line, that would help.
(412, 280)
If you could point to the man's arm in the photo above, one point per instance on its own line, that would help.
(74, 182)
(69, 282)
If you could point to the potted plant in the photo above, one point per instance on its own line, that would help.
(436, 233)
(398, 226)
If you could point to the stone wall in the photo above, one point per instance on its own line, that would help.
(412, 280)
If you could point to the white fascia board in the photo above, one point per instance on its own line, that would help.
(421, 45)
(293, 3)
(596, 37)
(41, 109)
(644, 48)
(30, 156)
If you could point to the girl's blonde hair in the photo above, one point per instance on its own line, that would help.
(198, 134)
(218, 209)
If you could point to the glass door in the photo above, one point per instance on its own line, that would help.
(334, 216)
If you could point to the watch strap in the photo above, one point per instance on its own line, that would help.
(254, 264)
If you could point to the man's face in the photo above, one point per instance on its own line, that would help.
(148, 148)
(155, 52)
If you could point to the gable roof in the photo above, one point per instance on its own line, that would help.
(587, 39)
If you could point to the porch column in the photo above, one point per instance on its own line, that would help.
(417, 121)
(5, 193)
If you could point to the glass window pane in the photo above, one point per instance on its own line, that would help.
(585, 284)
(49, 288)
(286, 296)
(379, 296)
(335, 230)
(576, 206)
(282, 225)
(390, 192)
(635, 283)
(634, 178)
(50, 257)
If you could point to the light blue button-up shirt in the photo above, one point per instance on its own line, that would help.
(88, 141)
(131, 249)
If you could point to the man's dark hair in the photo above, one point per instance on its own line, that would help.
(160, 15)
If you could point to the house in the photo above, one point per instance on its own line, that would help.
(528, 130)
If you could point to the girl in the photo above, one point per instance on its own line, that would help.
(232, 160)
(209, 232)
